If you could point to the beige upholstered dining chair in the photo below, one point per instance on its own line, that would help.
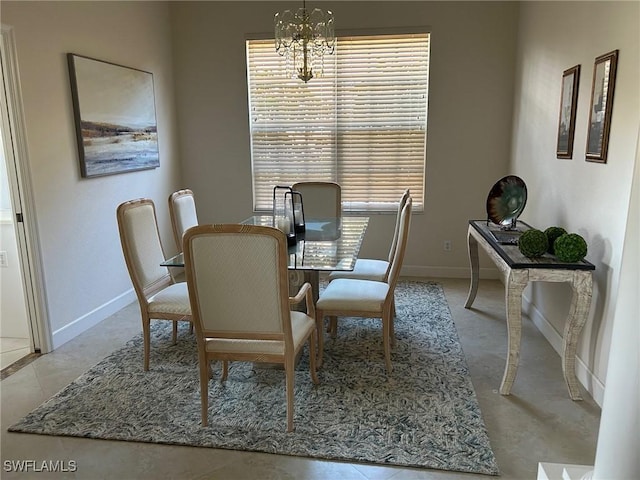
(239, 289)
(320, 199)
(158, 295)
(350, 297)
(370, 268)
(182, 210)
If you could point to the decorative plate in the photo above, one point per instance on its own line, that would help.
(506, 200)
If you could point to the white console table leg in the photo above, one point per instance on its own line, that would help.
(516, 282)
(475, 269)
(582, 285)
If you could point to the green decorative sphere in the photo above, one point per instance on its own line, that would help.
(570, 247)
(533, 243)
(552, 233)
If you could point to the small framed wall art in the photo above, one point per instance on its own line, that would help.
(568, 106)
(602, 89)
(115, 116)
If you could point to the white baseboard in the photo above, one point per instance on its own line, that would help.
(446, 272)
(586, 377)
(91, 319)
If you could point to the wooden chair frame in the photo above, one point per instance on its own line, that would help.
(145, 292)
(291, 350)
(387, 306)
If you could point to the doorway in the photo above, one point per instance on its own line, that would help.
(15, 337)
(24, 331)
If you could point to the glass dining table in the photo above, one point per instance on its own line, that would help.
(327, 244)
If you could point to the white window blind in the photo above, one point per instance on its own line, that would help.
(363, 124)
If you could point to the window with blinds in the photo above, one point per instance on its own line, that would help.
(363, 124)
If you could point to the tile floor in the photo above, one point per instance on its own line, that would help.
(537, 423)
(12, 350)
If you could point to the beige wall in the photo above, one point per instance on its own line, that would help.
(84, 271)
(470, 107)
(587, 198)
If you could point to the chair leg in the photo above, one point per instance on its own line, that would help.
(392, 322)
(225, 370)
(289, 371)
(312, 356)
(175, 332)
(146, 334)
(204, 388)
(320, 334)
(333, 325)
(386, 336)
(191, 328)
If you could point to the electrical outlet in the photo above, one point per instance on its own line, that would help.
(447, 245)
(3, 259)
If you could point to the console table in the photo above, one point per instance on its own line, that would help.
(517, 271)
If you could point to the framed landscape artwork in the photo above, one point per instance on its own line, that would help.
(115, 115)
(604, 81)
(568, 105)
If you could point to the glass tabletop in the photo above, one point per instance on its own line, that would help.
(327, 244)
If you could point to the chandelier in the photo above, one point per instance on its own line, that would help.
(303, 39)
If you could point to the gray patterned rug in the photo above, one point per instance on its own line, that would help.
(424, 415)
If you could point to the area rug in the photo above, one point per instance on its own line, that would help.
(425, 414)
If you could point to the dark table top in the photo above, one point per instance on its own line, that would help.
(511, 254)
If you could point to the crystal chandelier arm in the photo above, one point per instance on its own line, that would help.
(304, 39)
